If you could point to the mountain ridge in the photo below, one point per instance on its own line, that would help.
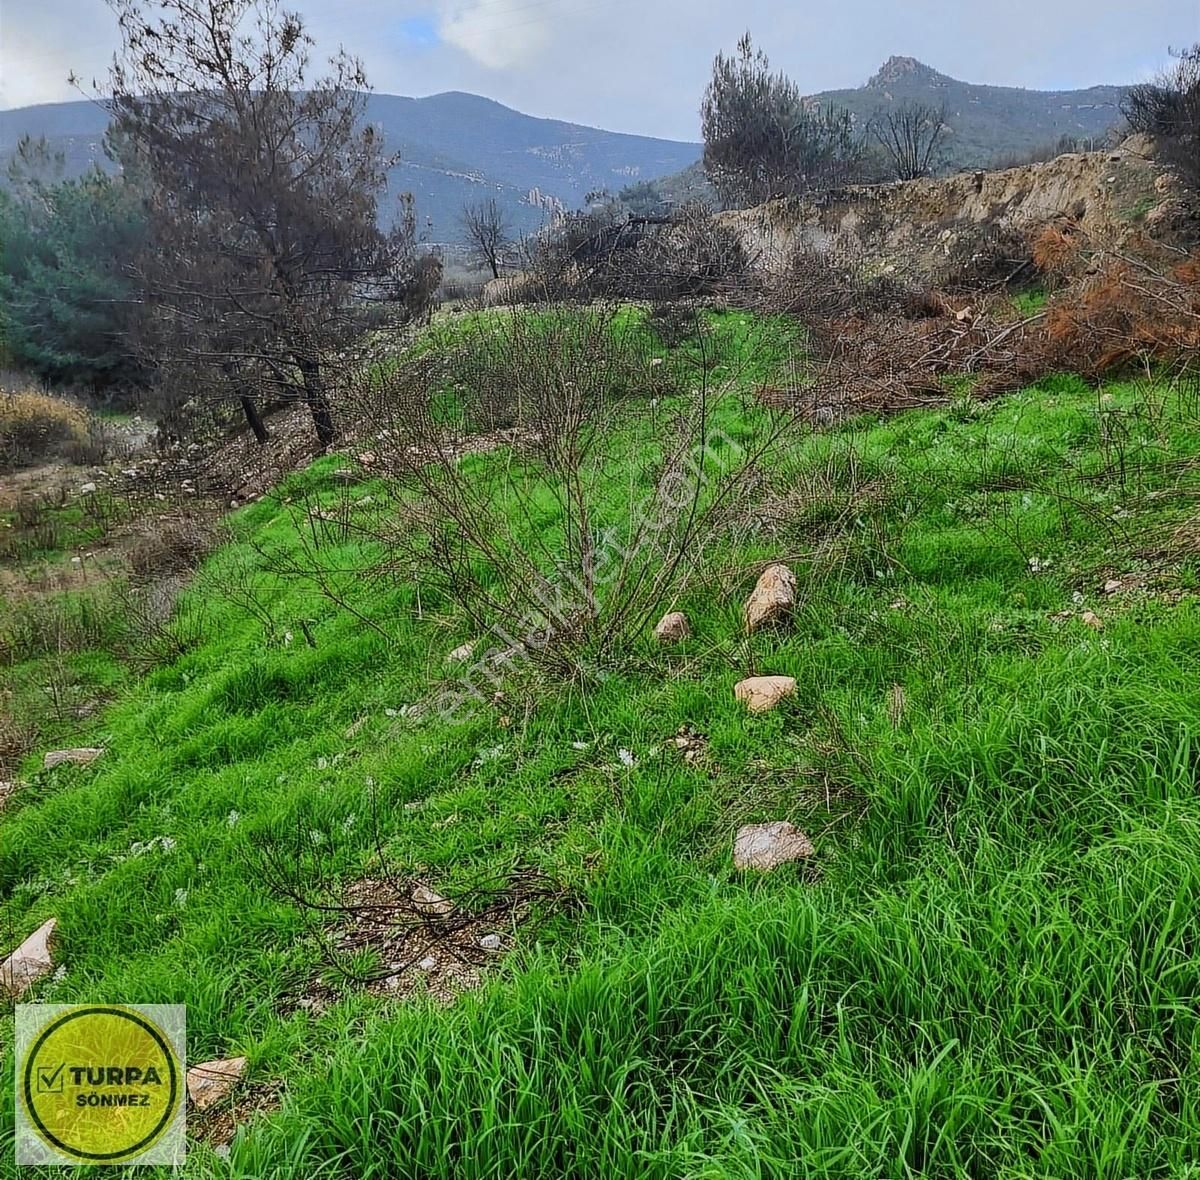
(454, 147)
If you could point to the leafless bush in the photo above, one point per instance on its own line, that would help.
(547, 544)
(1168, 109)
(602, 254)
(986, 256)
(170, 545)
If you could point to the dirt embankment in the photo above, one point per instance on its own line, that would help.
(1113, 196)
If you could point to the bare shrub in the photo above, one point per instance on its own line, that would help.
(171, 545)
(985, 257)
(1168, 109)
(549, 544)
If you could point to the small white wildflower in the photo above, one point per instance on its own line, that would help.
(489, 754)
(349, 822)
(626, 758)
(322, 763)
(232, 818)
(579, 745)
(181, 896)
(287, 639)
(166, 843)
(391, 713)
(1027, 501)
(370, 780)
(316, 837)
(60, 973)
(1036, 565)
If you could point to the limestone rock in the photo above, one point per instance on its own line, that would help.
(764, 846)
(29, 962)
(212, 1081)
(431, 904)
(672, 627)
(82, 756)
(460, 655)
(772, 599)
(761, 693)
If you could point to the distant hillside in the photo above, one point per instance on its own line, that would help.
(987, 123)
(454, 147)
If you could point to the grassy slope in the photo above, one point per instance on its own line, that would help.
(992, 975)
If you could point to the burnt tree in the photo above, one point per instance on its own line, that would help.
(263, 189)
(487, 231)
(911, 137)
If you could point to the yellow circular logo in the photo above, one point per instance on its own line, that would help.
(101, 1084)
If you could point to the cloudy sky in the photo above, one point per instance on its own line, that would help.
(640, 65)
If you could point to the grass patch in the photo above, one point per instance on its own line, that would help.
(992, 972)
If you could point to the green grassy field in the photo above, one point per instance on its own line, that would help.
(989, 968)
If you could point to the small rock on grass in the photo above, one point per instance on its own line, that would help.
(211, 1081)
(765, 846)
(31, 961)
(460, 655)
(761, 693)
(431, 904)
(672, 627)
(1091, 619)
(82, 756)
(772, 599)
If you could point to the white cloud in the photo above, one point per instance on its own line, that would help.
(496, 33)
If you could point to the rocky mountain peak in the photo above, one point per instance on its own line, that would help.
(902, 69)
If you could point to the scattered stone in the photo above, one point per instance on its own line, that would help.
(764, 846)
(87, 489)
(490, 942)
(32, 960)
(431, 904)
(367, 458)
(428, 963)
(212, 1081)
(460, 655)
(772, 599)
(672, 627)
(691, 744)
(761, 693)
(1091, 619)
(83, 756)
(1113, 585)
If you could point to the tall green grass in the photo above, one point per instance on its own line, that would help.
(989, 970)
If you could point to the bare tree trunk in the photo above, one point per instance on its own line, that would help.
(317, 399)
(254, 418)
(495, 267)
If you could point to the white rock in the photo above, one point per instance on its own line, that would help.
(86, 489)
(82, 756)
(764, 846)
(211, 1081)
(672, 627)
(760, 693)
(460, 655)
(772, 599)
(426, 901)
(490, 942)
(428, 963)
(32, 960)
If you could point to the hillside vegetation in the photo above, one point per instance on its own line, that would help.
(985, 967)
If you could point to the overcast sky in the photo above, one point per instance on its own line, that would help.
(640, 65)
